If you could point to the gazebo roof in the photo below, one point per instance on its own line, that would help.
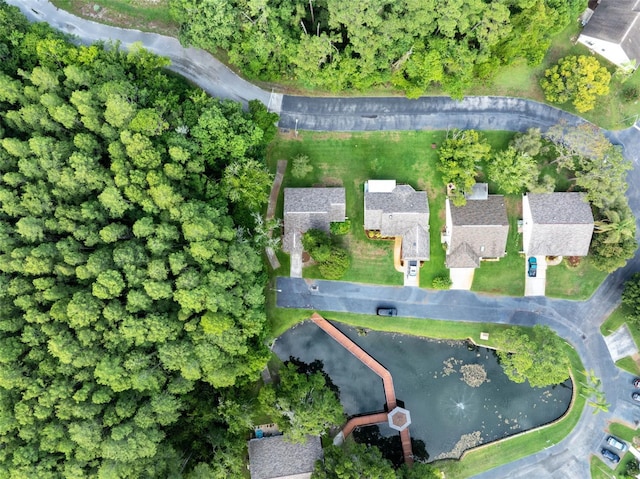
(399, 419)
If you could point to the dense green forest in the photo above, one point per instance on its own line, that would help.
(131, 285)
(412, 44)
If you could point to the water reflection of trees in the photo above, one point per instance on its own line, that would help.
(390, 447)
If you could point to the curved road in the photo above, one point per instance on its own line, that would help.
(577, 322)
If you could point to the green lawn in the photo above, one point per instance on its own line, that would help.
(349, 159)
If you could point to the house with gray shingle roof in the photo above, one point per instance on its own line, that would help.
(275, 458)
(556, 224)
(476, 231)
(398, 211)
(613, 31)
(310, 208)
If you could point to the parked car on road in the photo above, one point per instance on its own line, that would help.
(612, 456)
(636, 383)
(616, 443)
(636, 397)
(387, 312)
(533, 267)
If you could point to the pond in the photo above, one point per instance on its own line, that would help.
(447, 413)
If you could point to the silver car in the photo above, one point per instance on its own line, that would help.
(616, 443)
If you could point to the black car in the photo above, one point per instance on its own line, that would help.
(612, 456)
(387, 312)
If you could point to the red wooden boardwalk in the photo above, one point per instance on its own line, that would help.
(377, 368)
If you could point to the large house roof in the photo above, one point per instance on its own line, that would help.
(274, 457)
(479, 229)
(399, 211)
(561, 224)
(618, 22)
(310, 208)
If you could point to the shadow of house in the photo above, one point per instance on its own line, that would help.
(310, 208)
(275, 458)
(398, 211)
(476, 231)
(556, 224)
(613, 32)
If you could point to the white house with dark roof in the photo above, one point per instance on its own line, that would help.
(276, 458)
(556, 224)
(310, 208)
(398, 211)
(476, 231)
(613, 31)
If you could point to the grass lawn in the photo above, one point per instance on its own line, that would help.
(483, 458)
(348, 160)
(145, 15)
(577, 283)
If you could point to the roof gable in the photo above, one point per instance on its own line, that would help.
(479, 230)
(618, 22)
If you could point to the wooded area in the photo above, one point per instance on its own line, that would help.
(131, 288)
(411, 44)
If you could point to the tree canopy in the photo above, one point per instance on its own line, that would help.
(578, 79)
(536, 356)
(130, 300)
(356, 45)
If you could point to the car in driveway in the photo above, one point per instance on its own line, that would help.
(612, 456)
(532, 268)
(616, 443)
(413, 268)
(387, 312)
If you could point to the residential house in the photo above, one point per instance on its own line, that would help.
(398, 211)
(310, 208)
(613, 31)
(476, 231)
(556, 224)
(276, 458)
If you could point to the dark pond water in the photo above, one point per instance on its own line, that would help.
(447, 414)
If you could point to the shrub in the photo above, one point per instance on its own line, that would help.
(441, 282)
(340, 227)
(300, 166)
(336, 265)
(630, 94)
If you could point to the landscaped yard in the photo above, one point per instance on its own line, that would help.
(349, 159)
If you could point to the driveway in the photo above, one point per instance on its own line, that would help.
(535, 286)
(461, 278)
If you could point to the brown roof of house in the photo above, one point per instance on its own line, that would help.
(275, 457)
(401, 212)
(562, 224)
(310, 208)
(479, 229)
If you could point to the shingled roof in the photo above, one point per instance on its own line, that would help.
(477, 230)
(556, 224)
(310, 208)
(399, 210)
(617, 22)
(275, 458)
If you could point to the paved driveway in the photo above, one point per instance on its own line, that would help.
(462, 278)
(536, 286)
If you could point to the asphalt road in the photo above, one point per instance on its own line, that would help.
(577, 322)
